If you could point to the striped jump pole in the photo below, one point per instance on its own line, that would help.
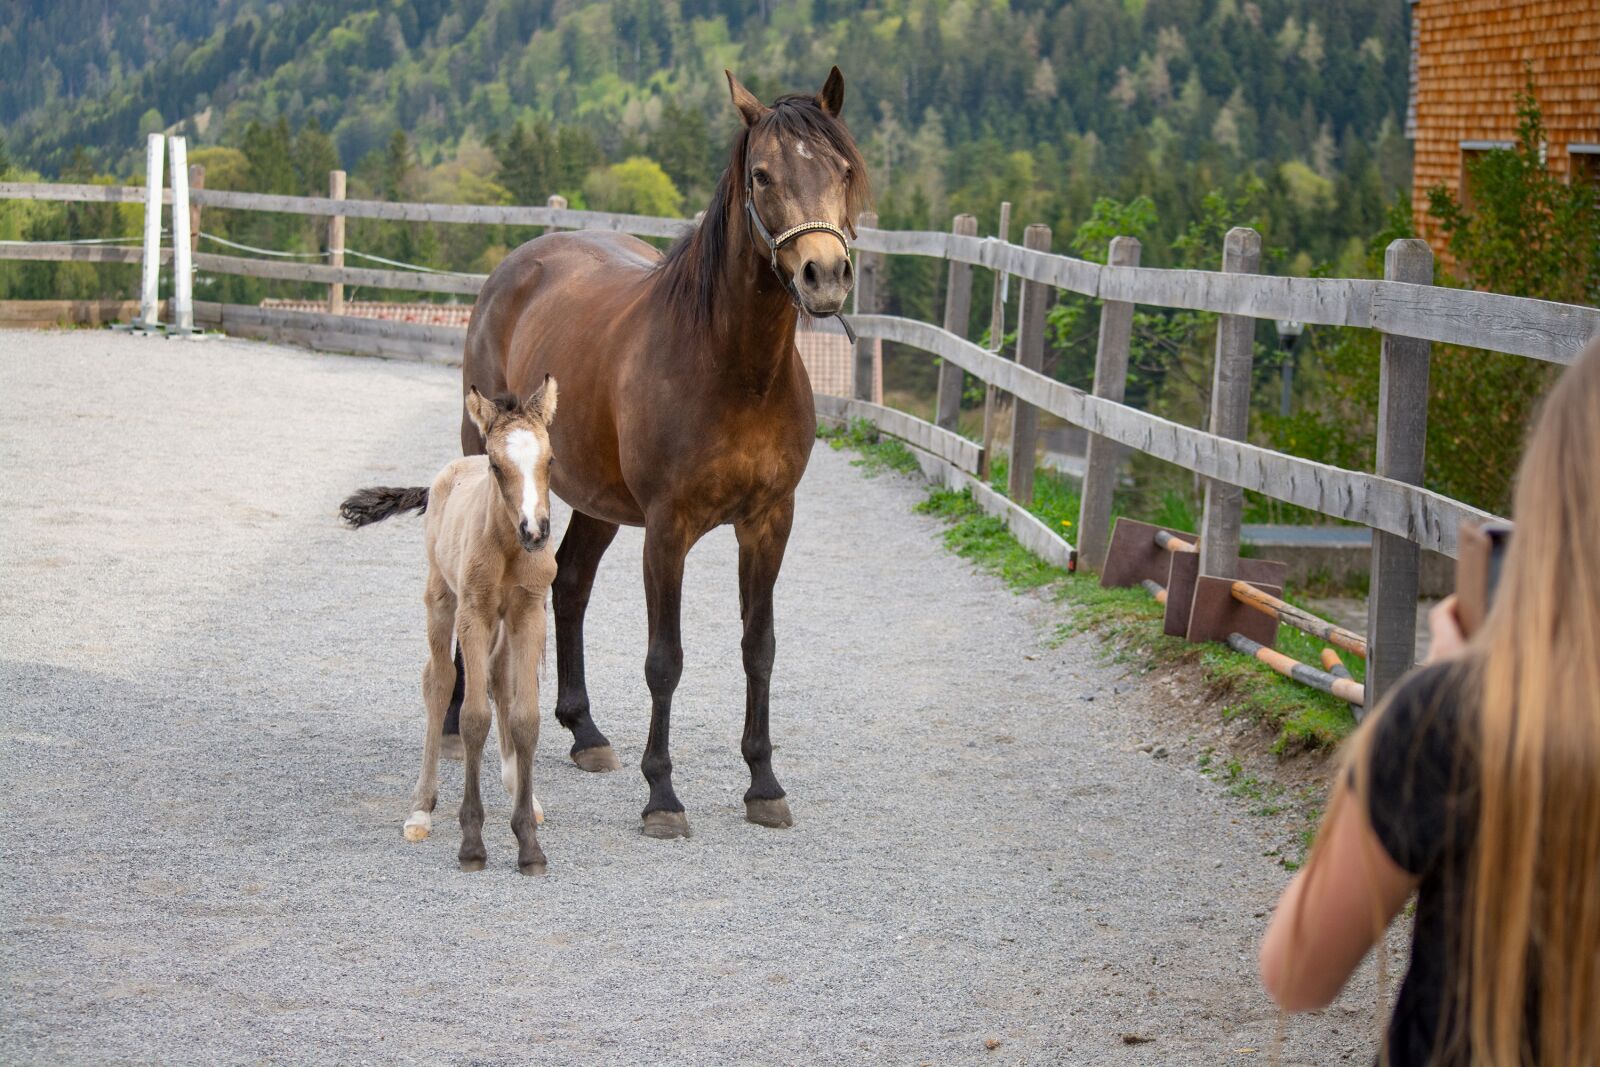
(1267, 604)
(1344, 688)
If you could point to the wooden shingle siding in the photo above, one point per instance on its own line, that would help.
(1471, 59)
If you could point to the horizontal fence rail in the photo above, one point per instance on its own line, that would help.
(1420, 515)
(1521, 326)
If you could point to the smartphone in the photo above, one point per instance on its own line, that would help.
(1481, 551)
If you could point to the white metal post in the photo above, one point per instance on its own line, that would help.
(149, 309)
(182, 277)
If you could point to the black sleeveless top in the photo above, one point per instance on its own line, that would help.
(1423, 805)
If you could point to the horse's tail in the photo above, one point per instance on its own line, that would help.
(380, 502)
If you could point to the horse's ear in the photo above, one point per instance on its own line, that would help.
(831, 98)
(743, 99)
(542, 404)
(481, 410)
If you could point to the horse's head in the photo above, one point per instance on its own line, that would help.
(516, 435)
(804, 182)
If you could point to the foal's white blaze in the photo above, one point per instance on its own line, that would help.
(522, 449)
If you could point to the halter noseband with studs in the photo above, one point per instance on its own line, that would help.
(774, 244)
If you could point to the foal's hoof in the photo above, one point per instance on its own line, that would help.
(665, 825)
(417, 827)
(450, 747)
(773, 813)
(599, 758)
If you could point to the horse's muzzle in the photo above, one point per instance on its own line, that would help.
(533, 540)
(823, 283)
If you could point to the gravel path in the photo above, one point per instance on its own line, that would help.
(209, 720)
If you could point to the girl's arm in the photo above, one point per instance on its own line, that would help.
(1326, 924)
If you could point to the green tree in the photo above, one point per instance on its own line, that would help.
(1524, 232)
(637, 186)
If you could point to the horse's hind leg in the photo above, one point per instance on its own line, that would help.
(585, 541)
(438, 678)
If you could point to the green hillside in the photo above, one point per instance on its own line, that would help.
(958, 102)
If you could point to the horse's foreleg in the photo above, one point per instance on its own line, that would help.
(524, 640)
(761, 547)
(437, 680)
(585, 541)
(474, 630)
(664, 549)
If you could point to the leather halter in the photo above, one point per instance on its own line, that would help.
(775, 243)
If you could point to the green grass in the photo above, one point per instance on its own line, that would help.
(878, 452)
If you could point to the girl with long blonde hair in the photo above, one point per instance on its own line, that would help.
(1476, 786)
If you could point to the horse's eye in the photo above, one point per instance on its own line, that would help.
(763, 179)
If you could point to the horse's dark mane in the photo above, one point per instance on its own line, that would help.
(687, 275)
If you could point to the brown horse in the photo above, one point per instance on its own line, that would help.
(687, 407)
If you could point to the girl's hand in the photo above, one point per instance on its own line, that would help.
(1445, 628)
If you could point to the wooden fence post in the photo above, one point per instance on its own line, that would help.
(866, 302)
(1030, 354)
(197, 180)
(1230, 411)
(1402, 436)
(150, 270)
(336, 183)
(997, 329)
(1111, 382)
(957, 310)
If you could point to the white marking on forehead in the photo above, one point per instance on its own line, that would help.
(805, 153)
(522, 449)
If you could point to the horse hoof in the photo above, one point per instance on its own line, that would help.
(598, 759)
(417, 827)
(773, 813)
(665, 825)
(450, 747)
(531, 870)
(472, 866)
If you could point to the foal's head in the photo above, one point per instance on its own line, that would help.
(800, 165)
(516, 436)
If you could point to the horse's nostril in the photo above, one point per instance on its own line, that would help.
(810, 272)
(846, 273)
(544, 529)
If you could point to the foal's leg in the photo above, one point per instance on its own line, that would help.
(474, 628)
(761, 545)
(664, 549)
(502, 677)
(585, 541)
(525, 644)
(438, 677)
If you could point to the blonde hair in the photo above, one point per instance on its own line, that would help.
(1532, 898)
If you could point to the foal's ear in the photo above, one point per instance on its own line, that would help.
(542, 404)
(481, 410)
(743, 99)
(831, 97)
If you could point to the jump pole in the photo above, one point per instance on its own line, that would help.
(1335, 666)
(1267, 604)
(1349, 691)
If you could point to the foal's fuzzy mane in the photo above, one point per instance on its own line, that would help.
(687, 275)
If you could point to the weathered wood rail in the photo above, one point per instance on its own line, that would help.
(1409, 312)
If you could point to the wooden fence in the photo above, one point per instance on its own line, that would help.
(1409, 311)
